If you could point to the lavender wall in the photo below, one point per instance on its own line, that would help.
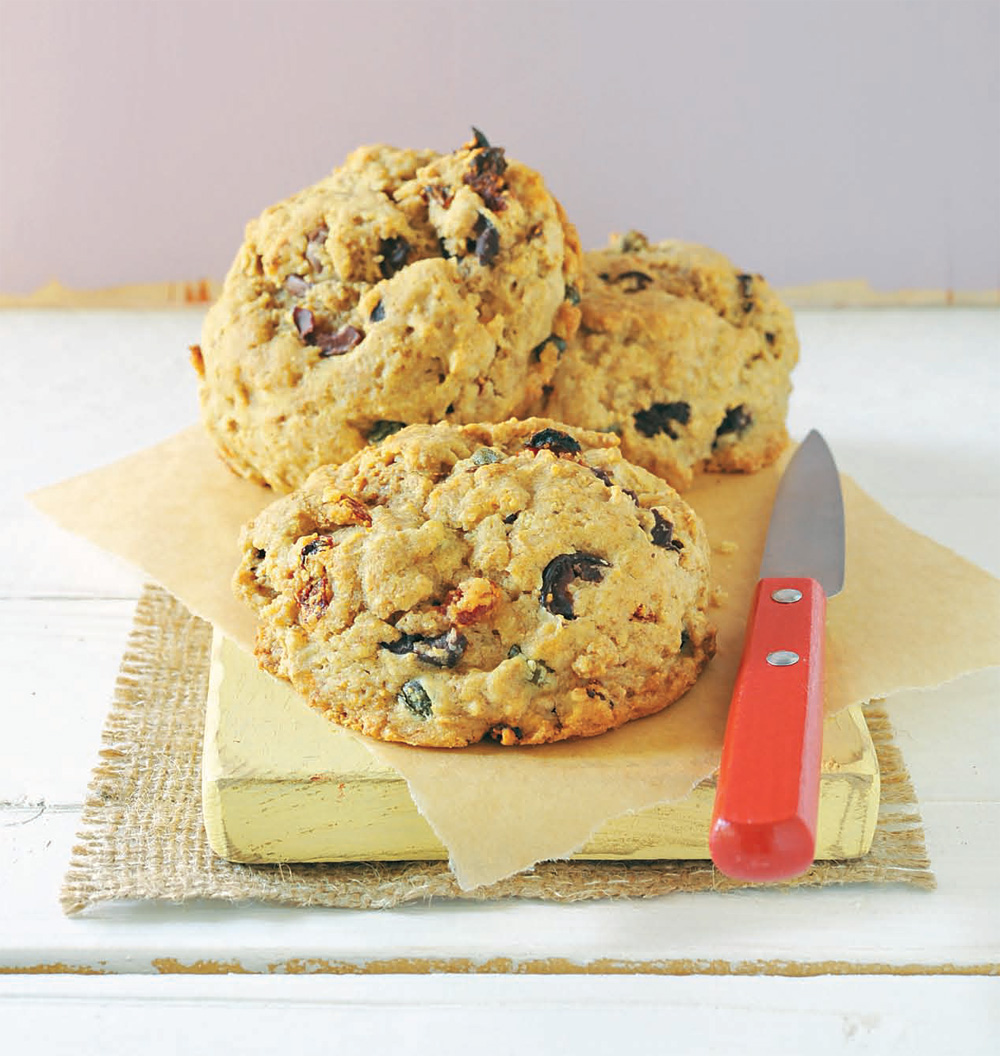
(809, 140)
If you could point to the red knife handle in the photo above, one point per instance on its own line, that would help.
(767, 800)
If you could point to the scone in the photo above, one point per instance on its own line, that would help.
(406, 287)
(518, 581)
(685, 358)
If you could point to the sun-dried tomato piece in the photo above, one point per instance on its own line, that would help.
(305, 322)
(473, 601)
(485, 173)
(313, 600)
(316, 239)
(338, 342)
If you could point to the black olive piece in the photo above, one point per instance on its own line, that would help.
(737, 420)
(572, 295)
(639, 281)
(603, 474)
(663, 530)
(378, 313)
(553, 440)
(414, 696)
(322, 542)
(663, 533)
(560, 572)
(383, 428)
(746, 292)
(560, 343)
(510, 518)
(487, 244)
(443, 651)
(660, 418)
(395, 252)
(514, 650)
(481, 140)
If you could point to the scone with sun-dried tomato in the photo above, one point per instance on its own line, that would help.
(520, 582)
(686, 358)
(405, 287)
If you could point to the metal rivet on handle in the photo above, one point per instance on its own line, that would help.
(786, 595)
(782, 658)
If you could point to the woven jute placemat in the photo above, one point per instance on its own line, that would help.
(142, 835)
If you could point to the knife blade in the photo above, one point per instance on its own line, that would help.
(767, 800)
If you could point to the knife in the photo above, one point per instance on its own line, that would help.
(767, 799)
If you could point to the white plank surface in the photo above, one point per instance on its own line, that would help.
(496, 1016)
(908, 402)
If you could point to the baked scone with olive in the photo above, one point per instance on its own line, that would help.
(519, 582)
(686, 358)
(407, 286)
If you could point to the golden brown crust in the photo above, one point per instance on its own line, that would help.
(684, 357)
(405, 287)
(519, 581)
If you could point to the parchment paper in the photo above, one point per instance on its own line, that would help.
(912, 614)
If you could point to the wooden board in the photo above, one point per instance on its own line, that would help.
(280, 784)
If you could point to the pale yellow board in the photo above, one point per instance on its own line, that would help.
(281, 784)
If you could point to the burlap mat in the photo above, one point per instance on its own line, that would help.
(142, 835)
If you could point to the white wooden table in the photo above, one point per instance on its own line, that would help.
(909, 402)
